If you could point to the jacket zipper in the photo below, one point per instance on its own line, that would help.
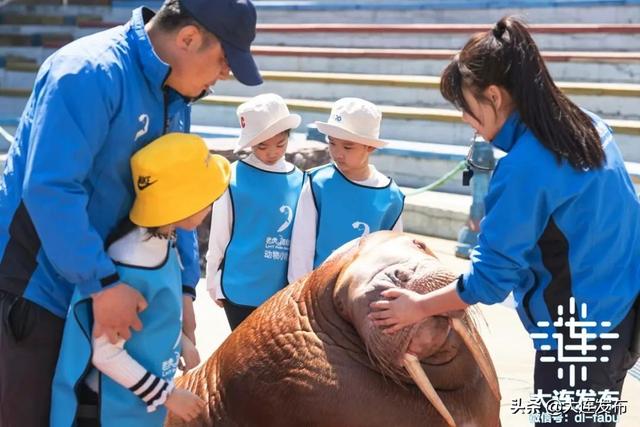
(165, 100)
(165, 123)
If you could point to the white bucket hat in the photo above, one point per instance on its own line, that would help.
(356, 120)
(263, 117)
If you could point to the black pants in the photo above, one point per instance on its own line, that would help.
(600, 375)
(87, 414)
(30, 338)
(236, 313)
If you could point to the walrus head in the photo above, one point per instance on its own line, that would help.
(425, 353)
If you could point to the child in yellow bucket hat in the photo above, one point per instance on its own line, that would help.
(251, 222)
(176, 180)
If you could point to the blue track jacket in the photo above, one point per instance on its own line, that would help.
(67, 181)
(552, 232)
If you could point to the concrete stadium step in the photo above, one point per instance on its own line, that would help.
(53, 12)
(617, 100)
(614, 100)
(40, 20)
(435, 213)
(579, 37)
(405, 123)
(540, 11)
(55, 40)
(68, 3)
(618, 67)
(610, 67)
(439, 11)
(72, 32)
(35, 54)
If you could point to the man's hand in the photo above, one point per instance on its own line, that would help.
(115, 310)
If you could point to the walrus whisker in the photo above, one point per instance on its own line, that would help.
(412, 365)
(478, 355)
(384, 363)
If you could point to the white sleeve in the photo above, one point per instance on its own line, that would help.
(219, 238)
(114, 361)
(303, 235)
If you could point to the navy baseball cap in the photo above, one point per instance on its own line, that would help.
(234, 23)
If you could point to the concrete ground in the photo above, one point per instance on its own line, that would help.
(503, 333)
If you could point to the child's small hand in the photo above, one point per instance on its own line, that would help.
(190, 356)
(185, 404)
(214, 296)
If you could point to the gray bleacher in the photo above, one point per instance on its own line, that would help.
(599, 68)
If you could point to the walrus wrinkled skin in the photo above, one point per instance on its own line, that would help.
(310, 356)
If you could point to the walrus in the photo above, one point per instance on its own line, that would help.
(310, 356)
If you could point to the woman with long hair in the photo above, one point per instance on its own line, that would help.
(562, 223)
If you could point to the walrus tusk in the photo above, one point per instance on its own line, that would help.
(412, 365)
(479, 357)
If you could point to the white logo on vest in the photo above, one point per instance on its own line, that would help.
(277, 247)
(286, 209)
(365, 227)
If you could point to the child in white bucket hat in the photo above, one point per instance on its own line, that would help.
(347, 198)
(251, 225)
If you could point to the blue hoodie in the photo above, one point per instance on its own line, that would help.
(67, 180)
(552, 232)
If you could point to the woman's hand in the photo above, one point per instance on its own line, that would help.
(403, 307)
(400, 309)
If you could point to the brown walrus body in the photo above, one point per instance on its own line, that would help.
(310, 357)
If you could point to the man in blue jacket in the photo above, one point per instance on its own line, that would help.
(67, 180)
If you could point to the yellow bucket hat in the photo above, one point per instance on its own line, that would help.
(175, 177)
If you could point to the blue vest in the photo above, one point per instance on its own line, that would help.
(347, 210)
(156, 347)
(256, 259)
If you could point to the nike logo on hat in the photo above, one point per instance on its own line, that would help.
(144, 182)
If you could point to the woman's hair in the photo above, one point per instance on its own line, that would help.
(508, 57)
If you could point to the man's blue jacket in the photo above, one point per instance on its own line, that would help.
(67, 180)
